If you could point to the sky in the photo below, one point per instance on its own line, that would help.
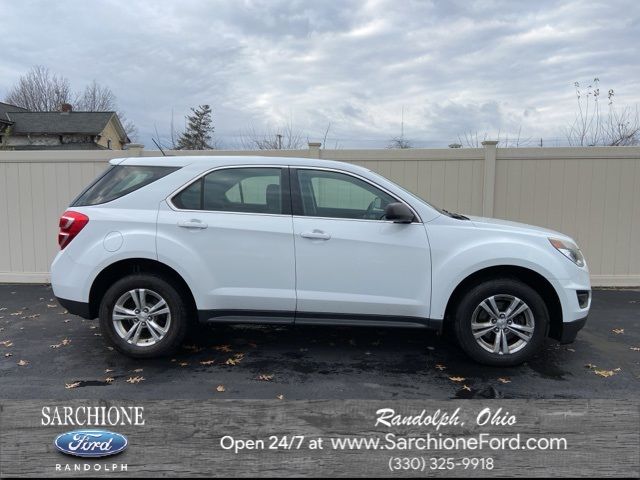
(367, 70)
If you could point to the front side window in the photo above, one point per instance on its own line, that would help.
(246, 190)
(338, 195)
(119, 181)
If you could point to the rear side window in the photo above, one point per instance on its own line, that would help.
(119, 181)
(245, 190)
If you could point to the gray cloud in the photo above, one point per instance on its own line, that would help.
(455, 66)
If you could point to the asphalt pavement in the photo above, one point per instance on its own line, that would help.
(47, 353)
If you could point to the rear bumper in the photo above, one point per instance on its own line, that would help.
(571, 329)
(76, 308)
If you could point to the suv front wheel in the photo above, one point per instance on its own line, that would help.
(143, 316)
(501, 322)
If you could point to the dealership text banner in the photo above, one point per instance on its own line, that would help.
(359, 438)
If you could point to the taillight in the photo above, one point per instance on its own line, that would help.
(70, 225)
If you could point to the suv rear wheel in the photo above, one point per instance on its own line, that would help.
(143, 316)
(501, 322)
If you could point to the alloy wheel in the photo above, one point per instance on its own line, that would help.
(502, 324)
(141, 317)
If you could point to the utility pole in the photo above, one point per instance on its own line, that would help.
(279, 137)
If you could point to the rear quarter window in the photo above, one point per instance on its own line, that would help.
(119, 181)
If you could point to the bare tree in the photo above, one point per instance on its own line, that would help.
(40, 91)
(472, 139)
(285, 137)
(622, 129)
(95, 98)
(399, 142)
(592, 126)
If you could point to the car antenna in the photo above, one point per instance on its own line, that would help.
(158, 145)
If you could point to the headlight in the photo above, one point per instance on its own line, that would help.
(569, 250)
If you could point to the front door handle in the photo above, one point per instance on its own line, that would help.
(316, 235)
(192, 224)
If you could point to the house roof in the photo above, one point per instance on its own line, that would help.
(89, 123)
(6, 108)
(64, 146)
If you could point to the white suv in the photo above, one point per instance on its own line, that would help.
(155, 244)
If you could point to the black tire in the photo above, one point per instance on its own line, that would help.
(472, 299)
(177, 307)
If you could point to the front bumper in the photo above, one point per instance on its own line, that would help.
(570, 330)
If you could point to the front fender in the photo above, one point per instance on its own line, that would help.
(452, 266)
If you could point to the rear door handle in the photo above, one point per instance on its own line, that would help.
(316, 235)
(192, 224)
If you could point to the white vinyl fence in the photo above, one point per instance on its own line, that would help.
(590, 193)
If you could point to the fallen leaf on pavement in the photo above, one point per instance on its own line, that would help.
(236, 359)
(590, 365)
(280, 397)
(441, 367)
(457, 379)
(504, 380)
(207, 362)
(220, 388)
(635, 349)
(64, 343)
(8, 354)
(22, 363)
(71, 385)
(51, 305)
(223, 348)
(109, 379)
(605, 373)
(137, 370)
(265, 378)
(135, 380)
(468, 389)
(108, 370)
(7, 343)
(184, 364)
(618, 331)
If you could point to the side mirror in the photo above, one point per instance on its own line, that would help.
(398, 213)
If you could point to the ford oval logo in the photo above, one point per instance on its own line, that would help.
(91, 443)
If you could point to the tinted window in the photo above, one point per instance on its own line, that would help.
(118, 181)
(332, 194)
(248, 190)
